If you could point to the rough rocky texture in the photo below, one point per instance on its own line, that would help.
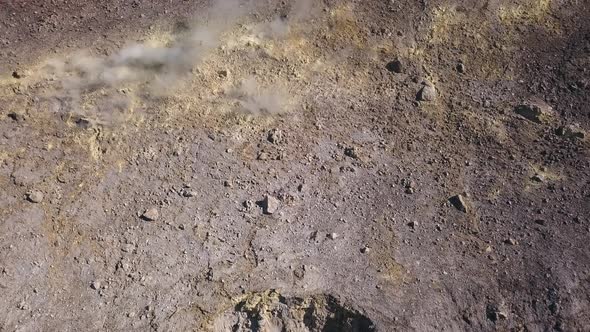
(35, 196)
(270, 311)
(572, 131)
(151, 214)
(458, 202)
(359, 157)
(427, 93)
(270, 204)
(395, 66)
(537, 112)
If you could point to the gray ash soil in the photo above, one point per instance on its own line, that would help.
(294, 178)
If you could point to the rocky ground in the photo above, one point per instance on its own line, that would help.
(295, 166)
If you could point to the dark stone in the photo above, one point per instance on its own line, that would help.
(16, 117)
(459, 203)
(351, 152)
(461, 68)
(535, 112)
(395, 66)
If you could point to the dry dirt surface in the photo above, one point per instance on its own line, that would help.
(295, 165)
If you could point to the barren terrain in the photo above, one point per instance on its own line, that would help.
(294, 165)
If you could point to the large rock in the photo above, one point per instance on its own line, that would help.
(275, 136)
(571, 131)
(395, 66)
(150, 214)
(35, 196)
(538, 112)
(427, 93)
(459, 202)
(270, 204)
(351, 152)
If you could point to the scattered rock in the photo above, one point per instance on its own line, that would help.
(248, 204)
(272, 311)
(410, 186)
(177, 152)
(128, 247)
(95, 285)
(538, 178)
(538, 112)
(427, 93)
(413, 224)
(365, 249)
(270, 204)
(468, 318)
(16, 116)
(571, 131)
(224, 73)
(299, 273)
(395, 66)
(83, 122)
(314, 235)
(495, 313)
(187, 192)
(16, 74)
(35, 196)
(540, 222)
(263, 156)
(345, 169)
(511, 241)
(332, 236)
(23, 306)
(351, 152)
(461, 68)
(150, 214)
(459, 203)
(62, 178)
(275, 136)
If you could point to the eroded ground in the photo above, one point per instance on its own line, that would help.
(295, 166)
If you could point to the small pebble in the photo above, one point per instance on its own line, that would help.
(275, 136)
(263, 156)
(461, 68)
(511, 241)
